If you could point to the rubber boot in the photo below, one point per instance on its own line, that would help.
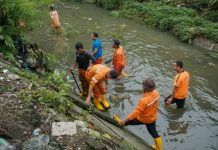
(97, 104)
(117, 119)
(104, 101)
(158, 143)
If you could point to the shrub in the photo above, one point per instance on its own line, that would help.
(211, 15)
(17, 17)
(134, 10)
(183, 22)
(110, 4)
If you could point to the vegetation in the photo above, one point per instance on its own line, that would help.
(51, 89)
(187, 19)
(183, 22)
(17, 17)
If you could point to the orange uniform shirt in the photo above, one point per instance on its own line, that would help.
(54, 19)
(146, 110)
(119, 60)
(181, 81)
(96, 73)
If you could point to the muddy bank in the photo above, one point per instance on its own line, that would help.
(21, 119)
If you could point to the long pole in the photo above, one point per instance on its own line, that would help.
(76, 82)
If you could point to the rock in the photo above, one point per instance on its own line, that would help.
(5, 71)
(63, 128)
(1, 100)
(1, 78)
(95, 144)
(36, 143)
(13, 77)
(30, 86)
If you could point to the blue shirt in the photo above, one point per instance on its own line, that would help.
(97, 44)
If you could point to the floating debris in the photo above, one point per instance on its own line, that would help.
(90, 19)
(211, 64)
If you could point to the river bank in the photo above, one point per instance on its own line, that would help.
(25, 110)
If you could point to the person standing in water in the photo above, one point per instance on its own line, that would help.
(119, 59)
(83, 61)
(55, 23)
(96, 48)
(145, 112)
(180, 86)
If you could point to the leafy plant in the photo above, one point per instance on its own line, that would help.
(17, 17)
(183, 22)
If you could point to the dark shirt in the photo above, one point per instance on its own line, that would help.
(83, 60)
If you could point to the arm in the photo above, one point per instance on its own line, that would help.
(95, 51)
(138, 111)
(95, 48)
(92, 58)
(174, 91)
(175, 88)
(89, 94)
(106, 82)
(73, 67)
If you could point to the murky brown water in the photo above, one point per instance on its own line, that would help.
(150, 53)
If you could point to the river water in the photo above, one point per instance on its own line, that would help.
(150, 53)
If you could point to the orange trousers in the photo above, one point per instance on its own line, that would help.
(98, 61)
(82, 78)
(98, 89)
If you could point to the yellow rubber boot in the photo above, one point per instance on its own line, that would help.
(158, 144)
(104, 101)
(116, 118)
(97, 104)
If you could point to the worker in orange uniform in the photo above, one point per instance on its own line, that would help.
(83, 61)
(119, 60)
(146, 112)
(180, 86)
(55, 23)
(95, 75)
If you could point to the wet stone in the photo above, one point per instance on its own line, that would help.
(1, 100)
(40, 142)
(13, 77)
(94, 144)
